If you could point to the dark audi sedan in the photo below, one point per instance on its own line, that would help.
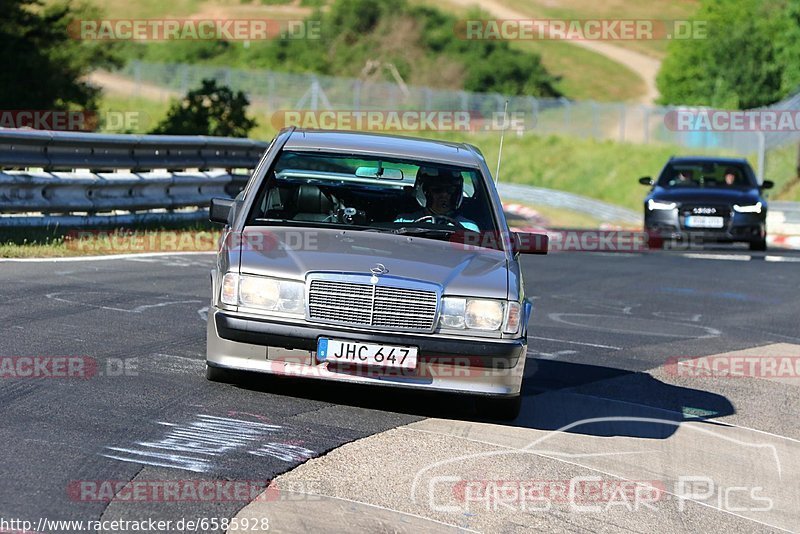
(697, 200)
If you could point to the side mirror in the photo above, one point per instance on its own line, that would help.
(768, 184)
(220, 210)
(646, 180)
(527, 243)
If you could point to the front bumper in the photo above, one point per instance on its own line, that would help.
(486, 366)
(740, 227)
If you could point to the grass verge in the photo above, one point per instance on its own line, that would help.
(62, 242)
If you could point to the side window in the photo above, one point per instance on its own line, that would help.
(469, 184)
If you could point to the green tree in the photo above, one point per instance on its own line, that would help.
(788, 42)
(44, 65)
(736, 65)
(208, 110)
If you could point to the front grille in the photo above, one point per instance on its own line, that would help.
(383, 305)
(706, 210)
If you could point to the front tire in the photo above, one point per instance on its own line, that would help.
(500, 408)
(218, 374)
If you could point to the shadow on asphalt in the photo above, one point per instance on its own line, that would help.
(574, 398)
(601, 401)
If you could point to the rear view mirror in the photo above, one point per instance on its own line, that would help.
(528, 243)
(646, 180)
(380, 173)
(220, 210)
(768, 184)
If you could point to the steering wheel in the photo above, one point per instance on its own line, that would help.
(438, 219)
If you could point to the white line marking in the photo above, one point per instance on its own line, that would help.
(678, 316)
(731, 257)
(102, 258)
(558, 317)
(549, 355)
(203, 313)
(782, 258)
(576, 343)
(137, 309)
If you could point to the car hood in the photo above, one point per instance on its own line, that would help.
(696, 195)
(291, 252)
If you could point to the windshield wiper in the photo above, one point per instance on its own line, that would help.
(427, 232)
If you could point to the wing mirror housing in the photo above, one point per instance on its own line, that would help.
(220, 209)
(529, 243)
(646, 180)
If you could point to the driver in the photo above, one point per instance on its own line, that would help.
(439, 193)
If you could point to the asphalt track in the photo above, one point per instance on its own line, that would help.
(603, 330)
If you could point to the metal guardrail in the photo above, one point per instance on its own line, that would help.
(69, 150)
(62, 178)
(540, 196)
(60, 174)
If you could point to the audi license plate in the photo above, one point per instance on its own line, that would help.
(701, 221)
(355, 352)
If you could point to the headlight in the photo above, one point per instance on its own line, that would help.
(453, 310)
(484, 314)
(479, 314)
(271, 294)
(259, 292)
(753, 208)
(655, 205)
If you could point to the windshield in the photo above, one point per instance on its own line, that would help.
(717, 175)
(430, 200)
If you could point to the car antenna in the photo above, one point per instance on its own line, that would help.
(502, 135)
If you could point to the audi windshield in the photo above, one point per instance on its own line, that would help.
(707, 175)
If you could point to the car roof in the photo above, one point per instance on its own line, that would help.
(397, 146)
(708, 159)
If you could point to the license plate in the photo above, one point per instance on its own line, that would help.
(700, 221)
(355, 352)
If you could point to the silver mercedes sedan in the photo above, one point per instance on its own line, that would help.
(372, 259)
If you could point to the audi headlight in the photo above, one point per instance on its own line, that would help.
(655, 205)
(263, 293)
(752, 208)
(479, 314)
